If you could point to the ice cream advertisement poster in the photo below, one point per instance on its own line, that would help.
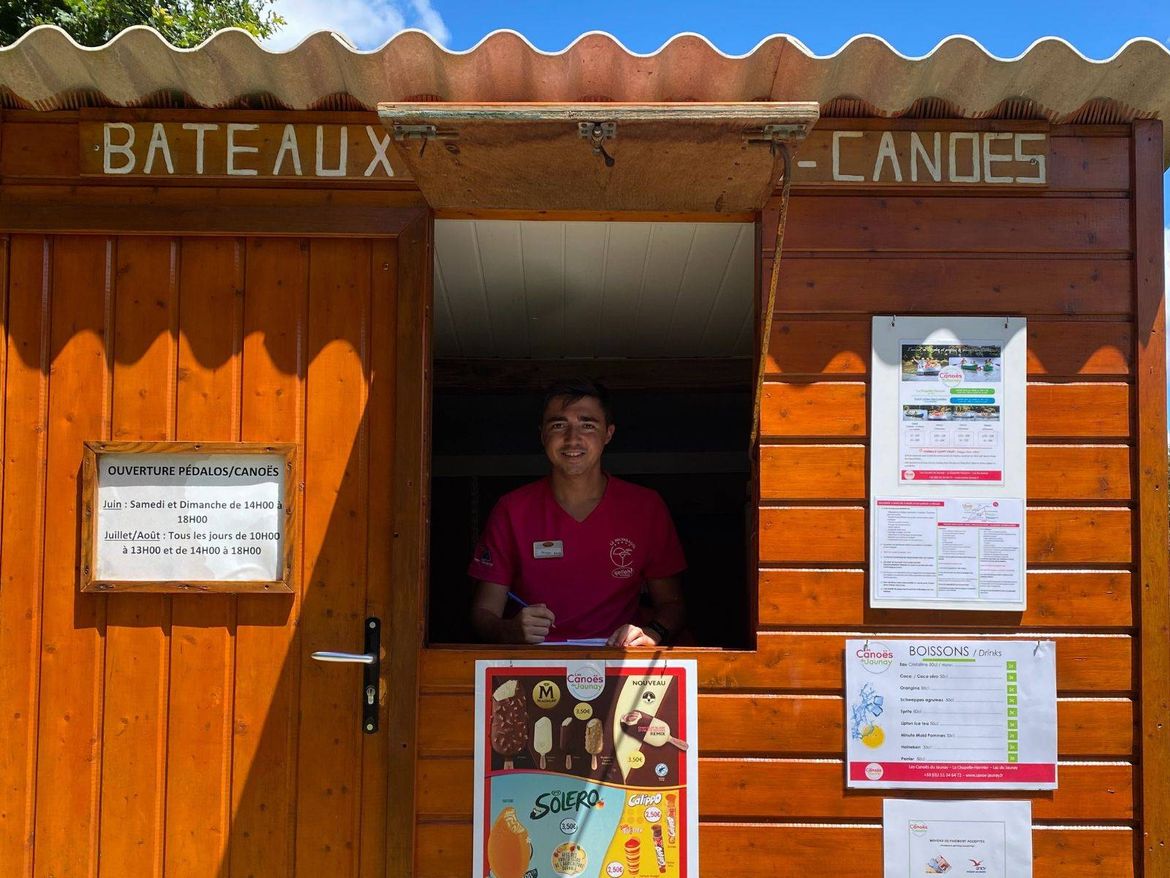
(586, 768)
(951, 714)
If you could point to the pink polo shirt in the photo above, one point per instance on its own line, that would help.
(589, 573)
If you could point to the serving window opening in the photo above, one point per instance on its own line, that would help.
(661, 313)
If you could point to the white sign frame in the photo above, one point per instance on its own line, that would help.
(992, 838)
(889, 333)
(950, 714)
(180, 471)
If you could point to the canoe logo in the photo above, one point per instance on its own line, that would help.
(621, 553)
(585, 681)
(875, 657)
(951, 376)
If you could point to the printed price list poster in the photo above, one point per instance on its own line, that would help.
(964, 714)
(586, 768)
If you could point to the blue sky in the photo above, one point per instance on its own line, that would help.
(735, 26)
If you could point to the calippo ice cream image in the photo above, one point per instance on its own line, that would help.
(633, 855)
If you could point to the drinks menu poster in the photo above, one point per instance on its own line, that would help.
(586, 768)
(951, 714)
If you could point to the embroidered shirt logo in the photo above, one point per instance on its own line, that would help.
(484, 555)
(621, 553)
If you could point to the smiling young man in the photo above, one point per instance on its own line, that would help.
(576, 548)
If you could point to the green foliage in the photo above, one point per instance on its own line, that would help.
(183, 23)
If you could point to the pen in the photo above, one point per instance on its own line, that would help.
(515, 597)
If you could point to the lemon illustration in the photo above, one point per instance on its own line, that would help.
(873, 736)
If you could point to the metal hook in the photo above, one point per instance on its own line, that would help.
(894, 320)
(1036, 651)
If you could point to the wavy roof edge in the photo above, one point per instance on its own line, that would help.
(46, 70)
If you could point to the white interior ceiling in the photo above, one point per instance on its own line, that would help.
(551, 290)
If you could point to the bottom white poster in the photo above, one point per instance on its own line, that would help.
(991, 839)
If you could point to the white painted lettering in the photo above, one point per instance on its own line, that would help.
(119, 148)
(380, 146)
(342, 151)
(158, 142)
(200, 129)
(953, 171)
(887, 152)
(989, 158)
(918, 149)
(838, 136)
(288, 146)
(233, 148)
(1038, 159)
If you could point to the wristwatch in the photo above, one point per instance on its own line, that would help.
(661, 630)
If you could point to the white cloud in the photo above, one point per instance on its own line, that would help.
(430, 20)
(365, 23)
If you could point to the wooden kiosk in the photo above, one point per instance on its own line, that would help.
(225, 245)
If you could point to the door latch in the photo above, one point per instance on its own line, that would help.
(372, 662)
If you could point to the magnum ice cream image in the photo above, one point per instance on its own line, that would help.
(567, 741)
(593, 740)
(635, 708)
(650, 730)
(508, 849)
(509, 722)
(542, 740)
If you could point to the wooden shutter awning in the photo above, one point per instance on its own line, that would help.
(685, 157)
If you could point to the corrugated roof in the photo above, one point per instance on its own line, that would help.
(1051, 80)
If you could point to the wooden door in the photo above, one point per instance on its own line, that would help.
(192, 735)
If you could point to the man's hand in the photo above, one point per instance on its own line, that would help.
(530, 625)
(632, 635)
(533, 623)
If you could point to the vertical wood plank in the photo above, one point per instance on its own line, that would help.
(411, 530)
(329, 760)
(73, 624)
(267, 661)
(379, 514)
(135, 730)
(202, 629)
(1150, 430)
(26, 374)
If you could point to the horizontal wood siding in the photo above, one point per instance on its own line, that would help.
(771, 718)
(1063, 261)
(151, 735)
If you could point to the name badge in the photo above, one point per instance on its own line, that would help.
(548, 549)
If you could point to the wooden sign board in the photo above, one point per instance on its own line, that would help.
(235, 149)
(202, 147)
(910, 157)
(209, 518)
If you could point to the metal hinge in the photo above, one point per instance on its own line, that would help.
(414, 132)
(597, 133)
(774, 134)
